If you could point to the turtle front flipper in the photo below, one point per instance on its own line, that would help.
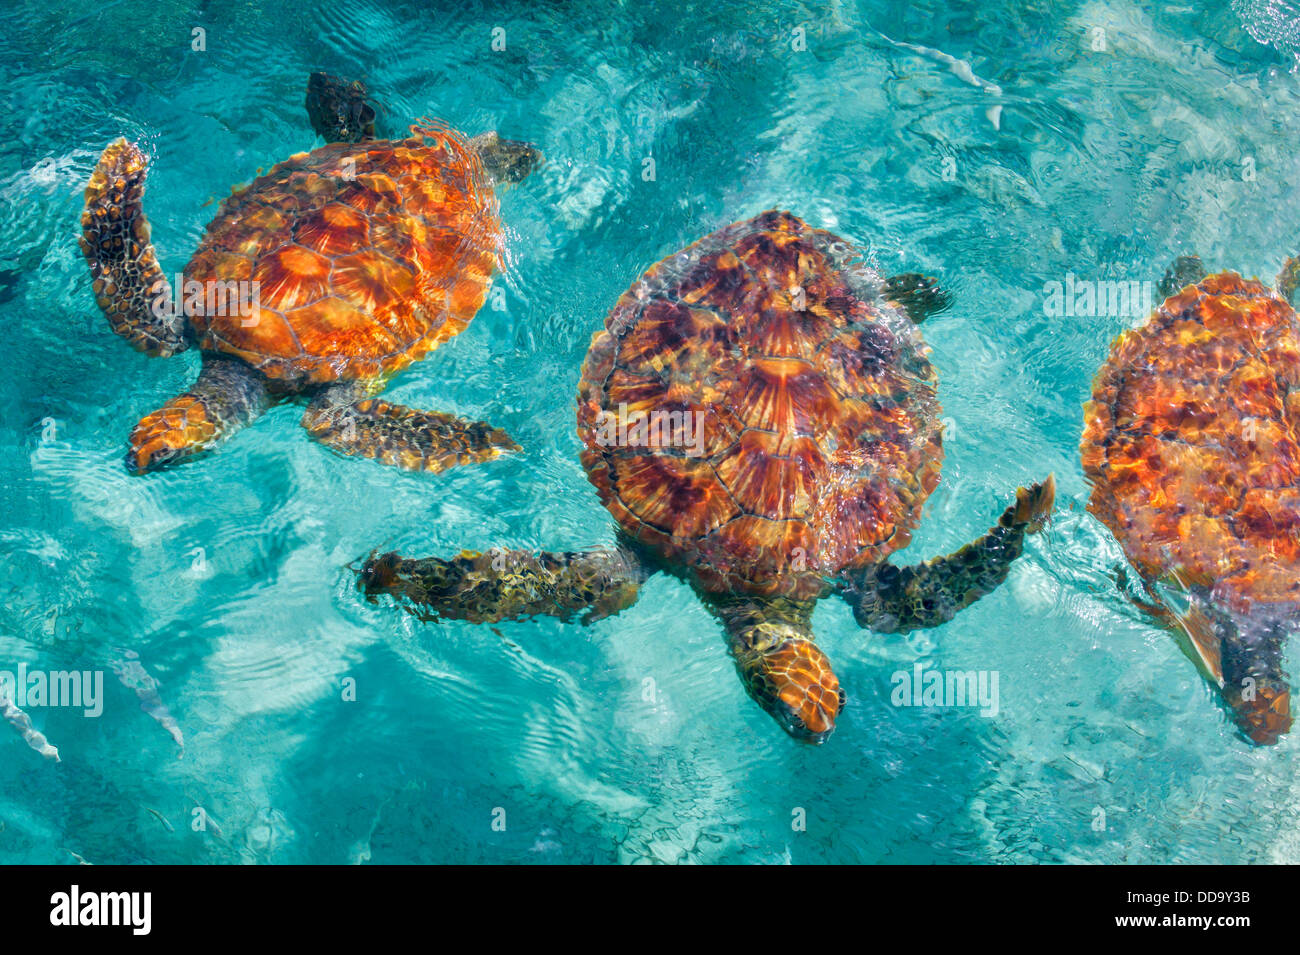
(128, 283)
(507, 584)
(227, 396)
(890, 599)
(918, 296)
(782, 669)
(341, 417)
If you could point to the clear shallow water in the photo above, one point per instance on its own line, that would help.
(1104, 163)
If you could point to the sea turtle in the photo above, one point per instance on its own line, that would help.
(759, 416)
(321, 279)
(1190, 446)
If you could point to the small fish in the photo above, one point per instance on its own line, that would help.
(208, 821)
(212, 824)
(80, 859)
(21, 722)
(134, 677)
(960, 69)
(161, 818)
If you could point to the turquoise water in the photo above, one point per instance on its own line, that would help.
(1000, 146)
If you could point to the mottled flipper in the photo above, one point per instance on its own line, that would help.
(128, 283)
(403, 437)
(227, 396)
(890, 599)
(507, 584)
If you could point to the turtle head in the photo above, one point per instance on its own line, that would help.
(380, 574)
(338, 109)
(1242, 652)
(1262, 711)
(506, 161)
(787, 675)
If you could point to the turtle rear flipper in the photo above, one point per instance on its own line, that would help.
(507, 584)
(227, 396)
(128, 283)
(890, 599)
(343, 418)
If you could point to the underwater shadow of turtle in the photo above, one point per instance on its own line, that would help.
(787, 436)
(1201, 495)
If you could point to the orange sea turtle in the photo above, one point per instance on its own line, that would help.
(321, 279)
(759, 416)
(1191, 447)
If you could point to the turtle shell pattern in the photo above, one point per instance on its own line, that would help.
(366, 257)
(819, 439)
(1191, 446)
